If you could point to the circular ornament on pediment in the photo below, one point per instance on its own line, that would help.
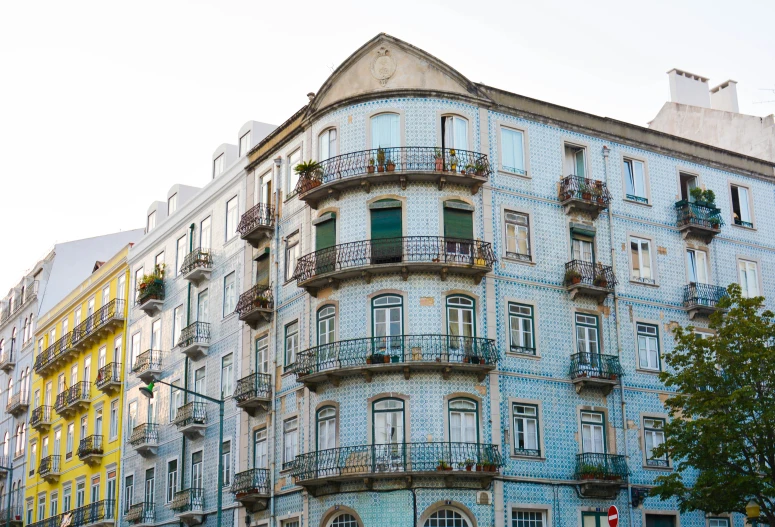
(383, 66)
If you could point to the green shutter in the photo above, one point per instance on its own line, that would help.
(325, 234)
(386, 223)
(458, 224)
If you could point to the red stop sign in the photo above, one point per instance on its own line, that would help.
(613, 516)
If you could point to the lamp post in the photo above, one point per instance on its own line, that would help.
(147, 391)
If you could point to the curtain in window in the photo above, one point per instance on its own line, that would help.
(385, 131)
(512, 157)
(745, 211)
(592, 438)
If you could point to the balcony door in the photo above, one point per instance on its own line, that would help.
(386, 132)
(386, 231)
(260, 449)
(460, 327)
(454, 132)
(688, 182)
(583, 249)
(205, 234)
(592, 433)
(325, 240)
(326, 335)
(202, 314)
(326, 429)
(697, 266)
(458, 230)
(588, 343)
(197, 474)
(388, 429)
(463, 421)
(150, 487)
(388, 321)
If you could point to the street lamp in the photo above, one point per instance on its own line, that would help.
(147, 391)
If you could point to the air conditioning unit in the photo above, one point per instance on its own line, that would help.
(484, 498)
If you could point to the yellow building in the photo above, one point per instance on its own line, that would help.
(75, 416)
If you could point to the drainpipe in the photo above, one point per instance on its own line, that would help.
(276, 241)
(185, 368)
(606, 152)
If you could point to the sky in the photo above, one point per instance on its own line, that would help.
(105, 105)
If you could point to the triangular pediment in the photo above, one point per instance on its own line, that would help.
(387, 64)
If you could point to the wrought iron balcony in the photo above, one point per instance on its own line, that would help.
(141, 514)
(109, 378)
(253, 392)
(18, 403)
(147, 365)
(251, 488)
(90, 449)
(7, 361)
(99, 513)
(31, 291)
(583, 194)
(256, 304)
(73, 398)
(191, 419)
(403, 353)
(702, 299)
(40, 418)
(52, 355)
(5, 461)
(12, 516)
(197, 265)
(145, 439)
(49, 468)
(189, 505)
(595, 369)
(52, 521)
(399, 255)
(400, 164)
(601, 475)
(257, 224)
(589, 279)
(698, 220)
(368, 462)
(106, 318)
(194, 340)
(150, 297)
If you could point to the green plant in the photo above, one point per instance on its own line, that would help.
(709, 197)
(437, 153)
(308, 168)
(696, 193)
(571, 275)
(479, 167)
(156, 275)
(443, 465)
(380, 156)
(371, 162)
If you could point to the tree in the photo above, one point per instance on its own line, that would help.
(722, 426)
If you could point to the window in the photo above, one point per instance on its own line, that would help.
(741, 206)
(129, 490)
(385, 130)
(172, 204)
(260, 451)
(648, 347)
(291, 176)
(244, 144)
(388, 423)
(262, 354)
(67, 492)
(138, 279)
(635, 181)
(177, 324)
(226, 463)
(232, 212)
(718, 522)
(33, 457)
(172, 479)
(454, 132)
(69, 440)
(593, 432)
(575, 161)
(205, 233)
(326, 429)
(463, 421)
(202, 306)
(135, 348)
(525, 430)
(687, 182)
(518, 236)
(229, 294)
(80, 493)
(176, 399)
(292, 253)
(263, 188)
(344, 520)
(521, 329)
(583, 248)
(387, 316)
(156, 334)
(446, 518)
(199, 381)
(326, 325)
(641, 264)
(290, 523)
(749, 278)
(218, 166)
(151, 222)
(30, 508)
(697, 266)
(227, 374)
(291, 342)
(587, 342)
(327, 144)
(653, 436)
(150, 485)
(114, 419)
(513, 151)
(290, 441)
(132, 418)
(460, 325)
(41, 506)
(180, 254)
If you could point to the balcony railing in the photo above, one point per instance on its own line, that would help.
(601, 467)
(355, 462)
(110, 312)
(254, 387)
(429, 163)
(92, 513)
(49, 466)
(12, 515)
(90, 446)
(257, 218)
(108, 375)
(595, 366)
(197, 259)
(144, 436)
(18, 403)
(698, 219)
(703, 296)
(153, 291)
(61, 402)
(255, 303)
(7, 361)
(188, 500)
(142, 513)
(253, 481)
(584, 194)
(53, 353)
(196, 333)
(193, 413)
(147, 364)
(40, 417)
(587, 278)
(429, 252)
(52, 521)
(80, 391)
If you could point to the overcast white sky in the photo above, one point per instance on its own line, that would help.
(105, 105)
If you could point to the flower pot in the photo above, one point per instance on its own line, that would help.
(386, 359)
(575, 280)
(391, 167)
(370, 169)
(600, 201)
(475, 360)
(468, 467)
(368, 360)
(439, 164)
(586, 195)
(601, 283)
(466, 360)
(395, 358)
(381, 168)
(448, 468)
(453, 168)
(480, 262)
(478, 468)
(439, 468)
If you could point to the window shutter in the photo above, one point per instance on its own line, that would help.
(458, 224)
(385, 223)
(325, 234)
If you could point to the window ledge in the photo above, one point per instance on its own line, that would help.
(743, 227)
(510, 259)
(527, 458)
(638, 282)
(648, 372)
(229, 316)
(657, 469)
(523, 355)
(502, 172)
(636, 202)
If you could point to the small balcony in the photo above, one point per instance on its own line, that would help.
(251, 489)
(578, 194)
(51, 521)
(98, 324)
(98, 514)
(5, 461)
(256, 305)
(18, 404)
(57, 352)
(419, 254)
(90, 450)
(150, 297)
(109, 378)
(189, 506)
(12, 516)
(455, 462)
(31, 291)
(400, 353)
(400, 165)
(147, 366)
(257, 224)
(194, 340)
(197, 266)
(73, 399)
(40, 419)
(141, 515)
(702, 299)
(49, 468)
(595, 370)
(701, 221)
(601, 475)
(7, 361)
(588, 279)
(191, 419)
(254, 392)
(145, 439)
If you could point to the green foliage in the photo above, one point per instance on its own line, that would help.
(706, 197)
(308, 168)
(722, 427)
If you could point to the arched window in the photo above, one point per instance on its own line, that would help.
(23, 437)
(10, 388)
(2, 346)
(18, 440)
(461, 326)
(386, 131)
(6, 440)
(326, 325)
(454, 132)
(326, 428)
(327, 144)
(344, 520)
(24, 330)
(388, 421)
(447, 518)
(387, 312)
(463, 421)
(13, 338)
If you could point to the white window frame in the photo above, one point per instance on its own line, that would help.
(229, 294)
(244, 143)
(525, 149)
(218, 166)
(227, 376)
(529, 258)
(646, 181)
(739, 261)
(296, 248)
(290, 449)
(231, 230)
(750, 203)
(291, 178)
(650, 324)
(652, 248)
(544, 509)
(652, 417)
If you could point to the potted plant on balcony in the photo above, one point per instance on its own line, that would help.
(715, 222)
(468, 464)
(443, 465)
(439, 158)
(380, 160)
(588, 471)
(370, 168)
(260, 301)
(696, 194)
(391, 165)
(395, 358)
(311, 171)
(600, 278)
(480, 255)
(479, 169)
(452, 160)
(586, 192)
(572, 276)
(155, 278)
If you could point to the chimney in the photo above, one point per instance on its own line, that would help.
(688, 88)
(724, 97)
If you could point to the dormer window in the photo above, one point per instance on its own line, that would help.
(244, 144)
(151, 224)
(218, 166)
(172, 204)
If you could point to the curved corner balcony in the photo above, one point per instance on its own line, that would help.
(256, 305)
(422, 254)
(257, 224)
(697, 219)
(145, 439)
(579, 194)
(601, 475)
(197, 266)
(702, 299)
(96, 514)
(40, 419)
(254, 392)
(194, 340)
(251, 489)
(401, 165)
(147, 366)
(189, 505)
(401, 353)
(150, 297)
(588, 279)
(109, 378)
(18, 403)
(365, 463)
(98, 324)
(191, 419)
(595, 370)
